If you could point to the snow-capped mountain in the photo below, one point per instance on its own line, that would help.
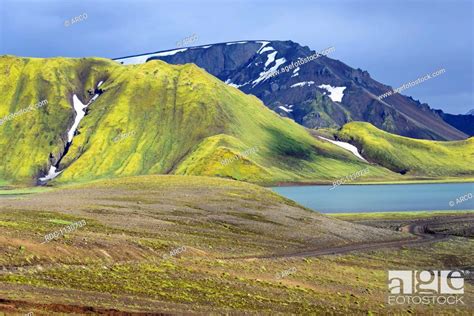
(312, 89)
(470, 112)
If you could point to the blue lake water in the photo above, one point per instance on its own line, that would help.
(382, 198)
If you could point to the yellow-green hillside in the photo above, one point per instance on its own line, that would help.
(411, 156)
(152, 118)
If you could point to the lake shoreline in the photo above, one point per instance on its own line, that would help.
(407, 214)
(382, 182)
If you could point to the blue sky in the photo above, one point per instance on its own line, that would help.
(395, 41)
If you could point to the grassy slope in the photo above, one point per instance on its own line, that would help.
(26, 141)
(414, 156)
(179, 119)
(116, 260)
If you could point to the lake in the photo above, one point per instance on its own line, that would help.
(382, 198)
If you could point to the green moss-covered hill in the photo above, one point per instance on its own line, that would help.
(152, 118)
(411, 156)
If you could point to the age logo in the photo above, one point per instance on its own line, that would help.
(426, 287)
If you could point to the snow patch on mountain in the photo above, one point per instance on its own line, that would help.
(51, 174)
(296, 72)
(79, 108)
(264, 43)
(270, 59)
(264, 75)
(353, 149)
(229, 82)
(302, 84)
(266, 49)
(335, 93)
(134, 60)
(286, 109)
(233, 43)
(171, 52)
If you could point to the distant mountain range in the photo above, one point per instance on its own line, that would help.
(321, 93)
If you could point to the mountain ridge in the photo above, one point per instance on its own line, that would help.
(240, 62)
(157, 118)
(410, 156)
(463, 122)
(177, 119)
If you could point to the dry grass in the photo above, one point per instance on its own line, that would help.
(116, 260)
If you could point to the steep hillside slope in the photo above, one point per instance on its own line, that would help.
(28, 138)
(323, 92)
(152, 118)
(411, 156)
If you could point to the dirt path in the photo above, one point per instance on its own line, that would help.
(418, 230)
